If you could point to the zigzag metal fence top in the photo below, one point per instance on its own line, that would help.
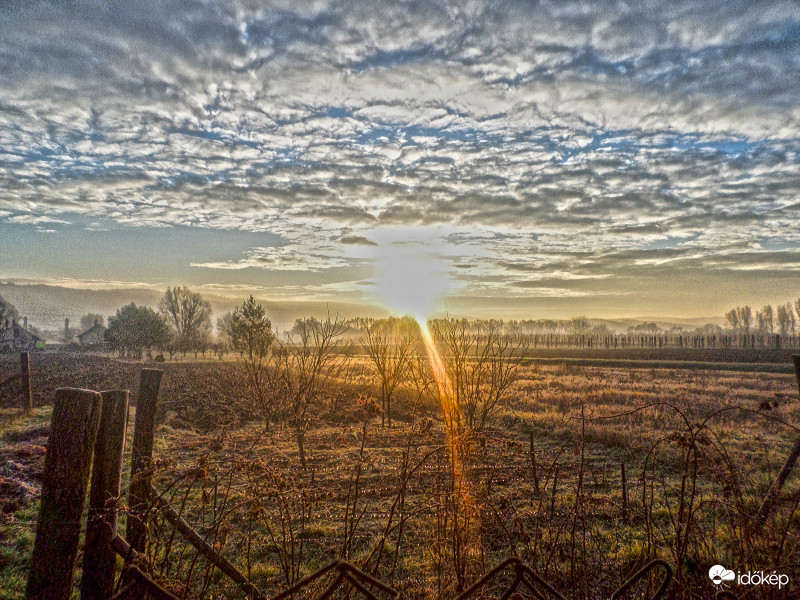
(341, 579)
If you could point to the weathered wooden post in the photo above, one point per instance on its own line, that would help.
(142, 457)
(99, 560)
(73, 430)
(25, 363)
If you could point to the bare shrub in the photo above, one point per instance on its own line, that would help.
(303, 368)
(481, 363)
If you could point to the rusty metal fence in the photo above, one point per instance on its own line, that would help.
(345, 578)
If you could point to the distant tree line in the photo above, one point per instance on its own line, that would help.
(181, 325)
(782, 320)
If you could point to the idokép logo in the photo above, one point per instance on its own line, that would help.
(719, 575)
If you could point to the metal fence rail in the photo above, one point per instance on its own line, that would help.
(525, 577)
(346, 575)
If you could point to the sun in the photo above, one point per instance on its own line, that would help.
(411, 279)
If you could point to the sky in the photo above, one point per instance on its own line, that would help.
(507, 159)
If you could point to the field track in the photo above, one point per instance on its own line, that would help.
(744, 367)
(749, 360)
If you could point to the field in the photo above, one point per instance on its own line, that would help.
(429, 514)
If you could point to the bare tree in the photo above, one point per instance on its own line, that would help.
(761, 322)
(580, 324)
(481, 365)
(797, 313)
(732, 317)
(188, 314)
(745, 315)
(200, 339)
(420, 376)
(784, 320)
(224, 328)
(390, 351)
(769, 319)
(303, 367)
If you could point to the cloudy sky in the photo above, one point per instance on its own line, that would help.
(506, 158)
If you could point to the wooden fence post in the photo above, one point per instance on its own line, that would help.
(99, 560)
(73, 430)
(142, 457)
(25, 363)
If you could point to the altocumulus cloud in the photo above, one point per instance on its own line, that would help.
(560, 146)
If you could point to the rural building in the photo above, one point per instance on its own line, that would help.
(16, 338)
(94, 336)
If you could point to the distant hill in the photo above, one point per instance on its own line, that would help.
(622, 325)
(46, 306)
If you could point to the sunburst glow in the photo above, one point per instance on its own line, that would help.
(411, 280)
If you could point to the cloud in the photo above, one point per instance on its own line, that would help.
(282, 258)
(36, 220)
(574, 138)
(356, 240)
(83, 284)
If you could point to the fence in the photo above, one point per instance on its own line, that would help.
(664, 340)
(87, 430)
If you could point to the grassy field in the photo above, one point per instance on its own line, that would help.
(430, 514)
